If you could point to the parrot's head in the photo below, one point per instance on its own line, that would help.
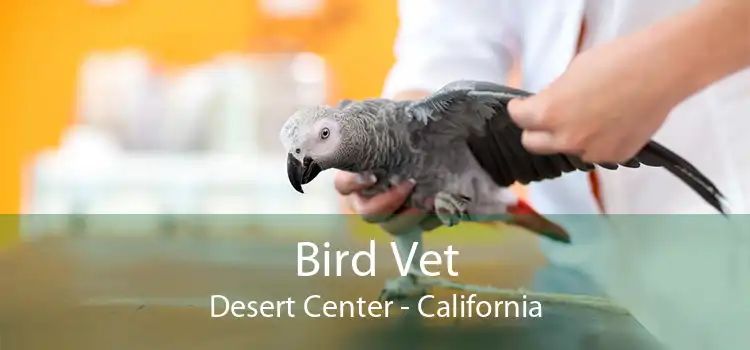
(314, 138)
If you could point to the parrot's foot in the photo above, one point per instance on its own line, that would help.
(451, 208)
(403, 287)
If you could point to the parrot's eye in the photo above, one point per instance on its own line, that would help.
(325, 133)
(298, 151)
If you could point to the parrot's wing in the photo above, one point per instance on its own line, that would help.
(477, 113)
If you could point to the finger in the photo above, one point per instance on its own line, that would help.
(539, 142)
(361, 206)
(347, 183)
(596, 157)
(525, 113)
(606, 149)
(403, 221)
(376, 218)
(385, 203)
(617, 155)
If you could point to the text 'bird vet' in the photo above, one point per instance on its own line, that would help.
(459, 144)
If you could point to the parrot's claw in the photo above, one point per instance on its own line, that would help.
(451, 209)
(366, 177)
(404, 287)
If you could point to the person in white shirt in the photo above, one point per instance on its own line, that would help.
(640, 62)
(609, 74)
(613, 98)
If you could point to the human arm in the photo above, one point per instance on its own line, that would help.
(438, 41)
(613, 98)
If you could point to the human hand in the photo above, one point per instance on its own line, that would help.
(605, 107)
(382, 208)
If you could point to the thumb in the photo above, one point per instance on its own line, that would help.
(406, 187)
(523, 112)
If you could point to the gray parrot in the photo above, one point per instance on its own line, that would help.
(461, 147)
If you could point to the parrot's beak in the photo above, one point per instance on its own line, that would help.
(301, 173)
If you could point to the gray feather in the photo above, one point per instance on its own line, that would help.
(476, 113)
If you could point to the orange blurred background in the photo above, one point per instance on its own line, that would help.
(44, 42)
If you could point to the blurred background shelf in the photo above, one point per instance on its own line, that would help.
(167, 184)
(47, 47)
(199, 140)
(161, 184)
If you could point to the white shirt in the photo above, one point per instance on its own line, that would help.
(440, 41)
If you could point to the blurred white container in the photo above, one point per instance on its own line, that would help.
(188, 108)
(237, 113)
(235, 103)
(117, 92)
